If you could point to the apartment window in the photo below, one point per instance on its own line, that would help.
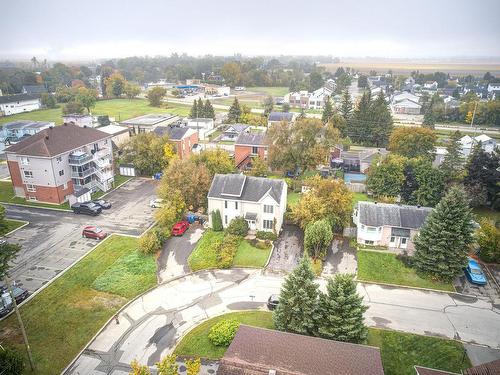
(61, 172)
(25, 161)
(255, 150)
(28, 174)
(225, 204)
(31, 188)
(236, 205)
(59, 159)
(369, 242)
(225, 219)
(268, 209)
(268, 224)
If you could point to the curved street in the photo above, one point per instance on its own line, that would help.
(150, 326)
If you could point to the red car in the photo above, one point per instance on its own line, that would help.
(94, 232)
(179, 228)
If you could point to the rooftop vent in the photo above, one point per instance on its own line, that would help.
(46, 137)
(272, 372)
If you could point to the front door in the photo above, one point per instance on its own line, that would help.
(251, 224)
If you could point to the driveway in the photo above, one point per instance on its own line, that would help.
(153, 324)
(490, 291)
(4, 171)
(288, 250)
(173, 259)
(340, 259)
(52, 241)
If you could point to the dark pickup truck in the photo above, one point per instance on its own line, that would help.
(87, 208)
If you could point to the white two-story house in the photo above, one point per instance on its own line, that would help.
(261, 201)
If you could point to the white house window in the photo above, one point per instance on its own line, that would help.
(28, 174)
(25, 161)
(268, 209)
(236, 205)
(61, 172)
(268, 224)
(31, 188)
(225, 204)
(371, 229)
(225, 219)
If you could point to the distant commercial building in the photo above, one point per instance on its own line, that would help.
(20, 103)
(79, 120)
(119, 134)
(148, 123)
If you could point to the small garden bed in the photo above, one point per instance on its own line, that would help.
(204, 254)
(387, 268)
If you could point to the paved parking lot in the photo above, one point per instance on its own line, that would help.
(340, 259)
(288, 250)
(52, 241)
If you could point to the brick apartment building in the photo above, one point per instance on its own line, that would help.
(54, 163)
(183, 138)
(248, 146)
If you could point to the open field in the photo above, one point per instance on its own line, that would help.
(273, 91)
(119, 109)
(62, 318)
(408, 67)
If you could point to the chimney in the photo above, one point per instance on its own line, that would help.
(272, 372)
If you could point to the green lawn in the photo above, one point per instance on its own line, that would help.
(197, 344)
(62, 318)
(386, 268)
(120, 109)
(10, 225)
(249, 256)
(7, 196)
(399, 351)
(204, 254)
(356, 197)
(273, 91)
(292, 198)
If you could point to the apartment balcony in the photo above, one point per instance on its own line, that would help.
(83, 173)
(77, 159)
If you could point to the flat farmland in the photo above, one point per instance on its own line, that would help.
(477, 69)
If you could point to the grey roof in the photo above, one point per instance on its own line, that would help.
(26, 124)
(250, 216)
(149, 120)
(251, 139)
(280, 116)
(175, 133)
(380, 214)
(245, 188)
(16, 98)
(236, 128)
(34, 89)
(80, 192)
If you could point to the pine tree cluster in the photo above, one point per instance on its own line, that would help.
(202, 110)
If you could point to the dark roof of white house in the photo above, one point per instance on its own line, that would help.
(175, 133)
(384, 214)
(280, 116)
(251, 139)
(16, 98)
(26, 124)
(34, 89)
(246, 188)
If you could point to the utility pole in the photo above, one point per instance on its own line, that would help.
(21, 324)
(473, 116)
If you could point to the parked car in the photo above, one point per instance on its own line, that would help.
(94, 232)
(102, 203)
(87, 208)
(20, 294)
(273, 301)
(179, 228)
(474, 273)
(155, 203)
(6, 304)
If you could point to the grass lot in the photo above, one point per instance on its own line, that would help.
(120, 109)
(10, 225)
(274, 91)
(204, 255)
(249, 256)
(292, 198)
(62, 318)
(399, 351)
(196, 342)
(356, 197)
(7, 196)
(386, 268)
(484, 212)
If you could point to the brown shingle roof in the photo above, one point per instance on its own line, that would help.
(57, 140)
(490, 368)
(255, 351)
(430, 371)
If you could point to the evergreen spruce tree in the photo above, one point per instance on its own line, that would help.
(410, 185)
(453, 163)
(358, 125)
(298, 306)
(201, 109)
(194, 110)
(328, 111)
(341, 311)
(442, 244)
(429, 120)
(234, 112)
(380, 128)
(346, 105)
(208, 110)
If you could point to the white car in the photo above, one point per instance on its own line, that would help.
(155, 203)
(239, 88)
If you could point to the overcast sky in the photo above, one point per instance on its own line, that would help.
(68, 29)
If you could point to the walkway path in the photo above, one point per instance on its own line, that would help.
(151, 326)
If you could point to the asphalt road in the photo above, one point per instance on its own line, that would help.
(152, 325)
(52, 240)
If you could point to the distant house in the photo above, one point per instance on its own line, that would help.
(439, 155)
(233, 131)
(15, 131)
(79, 120)
(494, 87)
(260, 201)
(119, 134)
(468, 143)
(407, 107)
(431, 85)
(391, 225)
(203, 126)
(148, 123)
(248, 146)
(259, 351)
(183, 138)
(308, 100)
(19, 103)
(356, 160)
(35, 90)
(277, 117)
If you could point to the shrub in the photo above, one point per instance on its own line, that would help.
(216, 221)
(222, 333)
(263, 235)
(317, 238)
(488, 238)
(149, 243)
(162, 233)
(238, 227)
(227, 250)
(11, 362)
(405, 259)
